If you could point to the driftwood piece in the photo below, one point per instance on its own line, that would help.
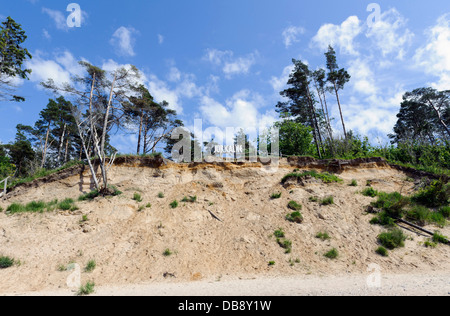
(415, 226)
(215, 216)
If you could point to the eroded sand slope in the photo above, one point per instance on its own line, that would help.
(127, 245)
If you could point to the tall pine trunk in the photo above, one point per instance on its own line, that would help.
(61, 143)
(141, 121)
(340, 110)
(44, 152)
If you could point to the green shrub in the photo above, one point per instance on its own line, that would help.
(295, 217)
(393, 239)
(89, 196)
(15, 208)
(382, 251)
(325, 177)
(354, 183)
(392, 203)
(445, 211)
(294, 206)
(418, 214)
(190, 199)
(323, 236)
(279, 233)
(87, 289)
(313, 199)
(275, 196)
(271, 263)
(383, 219)
(370, 192)
(149, 205)
(327, 201)
(91, 265)
(137, 197)
(438, 238)
(437, 194)
(430, 244)
(174, 204)
(6, 262)
(332, 254)
(167, 253)
(161, 195)
(286, 244)
(66, 205)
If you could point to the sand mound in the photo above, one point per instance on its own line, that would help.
(226, 233)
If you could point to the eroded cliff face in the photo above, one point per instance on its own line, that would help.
(227, 231)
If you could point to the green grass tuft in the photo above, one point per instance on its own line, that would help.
(325, 177)
(174, 204)
(87, 289)
(294, 206)
(295, 217)
(327, 201)
(332, 254)
(6, 262)
(393, 239)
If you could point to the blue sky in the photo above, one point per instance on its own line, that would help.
(225, 62)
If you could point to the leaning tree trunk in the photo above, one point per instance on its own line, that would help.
(141, 121)
(44, 152)
(315, 125)
(61, 143)
(340, 110)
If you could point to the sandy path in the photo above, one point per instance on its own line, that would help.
(352, 285)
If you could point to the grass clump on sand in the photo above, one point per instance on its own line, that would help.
(382, 251)
(275, 196)
(174, 204)
(6, 262)
(370, 192)
(91, 265)
(323, 236)
(327, 201)
(332, 254)
(86, 289)
(392, 239)
(41, 207)
(295, 217)
(325, 177)
(137, 197)
(294, 206)
(190, 199)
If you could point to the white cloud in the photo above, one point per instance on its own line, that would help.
(279, 83)
(174, 74)
(241, 110)
(123, 41)
(46, 34)
(363, 78)
(290, 35)
(58, 17)
(341, 36)
(231, 66)
(160, 39)
(390, 35)
(434, 58)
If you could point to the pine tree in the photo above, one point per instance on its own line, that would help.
(337, 78)
(12, 58)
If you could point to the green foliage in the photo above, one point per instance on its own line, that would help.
(439, 238)
(313, 198)
(279, 233)
(392, 204)
(161, 195)
(271, 263)
(393, 239)
(167, 253)
(6, 262)
(149, 205)
(174, 204)
(354, 183)
(91, 265)
(332, 254)
(323, 236)
(382, 251)
(40, 207)
(369, 192)
(89, 196)
(327, 201)
(295, 217)
(437, 194)
(430, 244)
(137, 197)
(67, 204)
(295, 138)
(445, 211)
(275, 196)
(325, 176)
(294, 206)
(190, 199)
(87, 289)
(286, 244)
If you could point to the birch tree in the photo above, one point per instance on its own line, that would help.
(98, 99)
